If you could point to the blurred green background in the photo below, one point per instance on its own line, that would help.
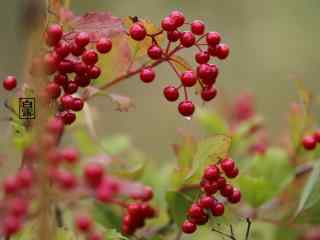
(272, 42)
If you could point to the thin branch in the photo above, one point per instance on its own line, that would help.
(248, 228)
(224, 234)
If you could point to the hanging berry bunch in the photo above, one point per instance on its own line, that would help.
(208, 46)
(309, 142)
(212, 182)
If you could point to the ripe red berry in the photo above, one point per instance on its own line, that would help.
(233, 173)
(187, 39)
(104, 45)
(171, 93)
(173, 36)
(178, 18)
(82, 80)
(210, 187)
(188, 227)
(147, 194)
(51, 63)
(227, 190)
(96, 236)
(62, 49)
(70, 88)
(104, 193)
(61, 79)
(316, 135)
(227, 165)
(206, 202)
(18, 207)
(82, 39)
(208, 73)
(68, 117)
(217, 209)
(186, 108)
(135, 210)
(235, 197)
(9, 83)
(137, 31)
(168, 24)
(70, 155)
(53, 90)
(11, 185)
(213, 38)
(197, 27)
(11, 225)
(25, 178)
(222, 51)
(66, 180)
(90, 57)
(188, 78)
(309, 142)
(155, 52)
(208, 93)
(221, 181)
(211, 173)
(147, 75)
(94, 72)
(195, 211)
(83, 223)
(77, 104)
(66, 66)
(67, 101)
(147, 211)
(202, 57)
(81, 68)
(93, 174)
(76, 50)
(54, 34)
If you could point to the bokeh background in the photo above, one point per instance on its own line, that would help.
(272, 43)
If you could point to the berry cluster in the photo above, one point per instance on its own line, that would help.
(309, 142)
(212, 182)
(208, 46)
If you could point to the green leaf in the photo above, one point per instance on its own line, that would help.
(208, 151)
(115, 144)
(113, 234)
(84, 142)
(310, 193)
(106, 216)
(212, 122)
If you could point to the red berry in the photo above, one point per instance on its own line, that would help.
(93, 173)
(235, 197)
(186, 108)
(90, 57)
(147, 211)
(68, 117)
(70, 155)
(51, 63)
(210, 187)
(188, 227)
(221, 181)
(25, 178)
(66, 180)
(213, 38)
(11, 225)
(188, 78)
(62, 49)
(9, 83)
(147, 194)
(173, 36)
(77, 104)
(206, 202)
(147, 75)
(18, 207)
(54, 34)
(83, 223)
(61, 79)
(104, 45)
(135, 210)
(208, 93)
(82, 39)
(316, 135)
(211, 173)
(208, 73)
(155, 52)
(200, 221)
(171, 93)
(233, 173)
(11, 185)
(187, 39)
(137, 31)
(202, 57)
(195, 211)
(168, 24)
(227, 165)
(217, 209)
(66, 66)
(53, 90)
(82, 80)
(227, 190)
(81, 68)
(67, 101)
(76, 50)
(309, 142)
(222, 51)
(178, 18)
(104, 193)
(54, 156)
(197, 27)
(96, 236)
(70, 88)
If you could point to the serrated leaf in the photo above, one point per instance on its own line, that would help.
(310, 193)
(211, 122)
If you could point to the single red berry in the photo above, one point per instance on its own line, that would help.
(76, 50)
(233, 173)
(68, 117)
(227, 164)
(213, 38)
(66, 101)
(171, 93)
(135, 210)
(51, 63)
(66, 180)
(93, 174)
(66, 66)
(235, 197)
(208, 73)
(104, 45)
(188, 227)
(210, 187)
(188, 78)
(137, 31)
(186, 108)
(90, 57)
(25, 178)
(221, 181)
(54, 34)
(81, 68)
(309, 142)
(70, 88)
(187, 39)
(197, 27)
(168, 24)
(82, 39)
(70, 155)
(178, 18)
(195, 211)
(206, 202)
(9, 83)
(96, 236)
(200, 221)
(62, 49)
(217, 209)
(155, 52)
(147, 194)
(104, 193)
(11, 225)
(222, 51)
(202, 57)
(77, 104)
(147, 211)
(227, 190)
(173, 36)
(61, 79)
(147, 75)
(82, 80)
(18, 207)
(83, 223)
(211, 173)
(127, 230)
(316, 135)
(53, 90)
(208, 93)
(11, 185)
